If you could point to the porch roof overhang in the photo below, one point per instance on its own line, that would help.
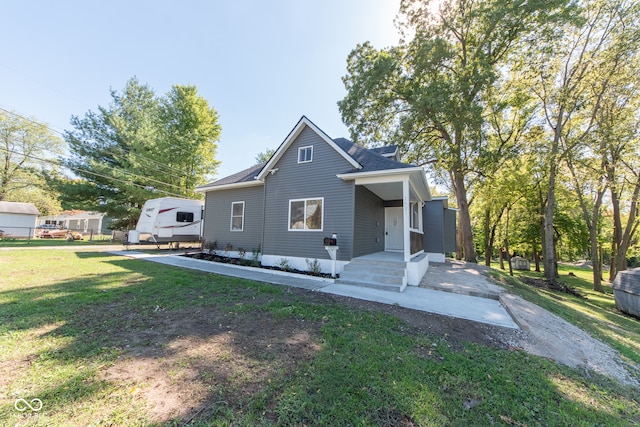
(387, 184)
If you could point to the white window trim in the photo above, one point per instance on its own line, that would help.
(305, 148)
(305, 214)
(232, 216)
(419, 229)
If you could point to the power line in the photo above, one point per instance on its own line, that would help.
(77, 169)
(175, 173)
(62, 135)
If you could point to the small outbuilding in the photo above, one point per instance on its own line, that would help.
(626, 291)
(520, 263)
(18, 219)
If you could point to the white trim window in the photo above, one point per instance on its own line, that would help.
(305, 154)
(237, 216)
(306, 214)
(415, 217)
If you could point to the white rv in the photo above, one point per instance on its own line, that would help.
(169, 219)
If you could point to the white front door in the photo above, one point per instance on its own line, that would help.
(393, 229)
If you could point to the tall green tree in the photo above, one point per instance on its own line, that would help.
(570, 73)
(26, 146)
(427, 93)
(140, 147)
(190, 131)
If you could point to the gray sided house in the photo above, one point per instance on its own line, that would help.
(381, 211)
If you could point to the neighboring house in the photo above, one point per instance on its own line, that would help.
(78, 220)
(18, 219)
(314, 187)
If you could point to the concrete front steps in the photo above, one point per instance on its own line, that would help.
(375, 274)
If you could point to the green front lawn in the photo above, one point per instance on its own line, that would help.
(106, 340)
(10, 242)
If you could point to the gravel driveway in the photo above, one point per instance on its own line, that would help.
(542, 332)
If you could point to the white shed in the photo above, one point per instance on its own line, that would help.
(18, 219)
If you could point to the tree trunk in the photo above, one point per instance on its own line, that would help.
(506, 243)
(617, 234)
(550, 270)
(488, 244)
(629, 230)
(501, 258)
(536, 258)
(595, 259)
(464, 221)
(506, 251)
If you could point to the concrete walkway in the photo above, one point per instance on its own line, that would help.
(480, 308)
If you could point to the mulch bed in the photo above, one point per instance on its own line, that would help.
(251, 263)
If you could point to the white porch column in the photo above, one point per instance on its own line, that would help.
(406, 207)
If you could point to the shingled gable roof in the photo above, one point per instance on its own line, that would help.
(362, 159)
(243, 178)
(303, 123)
(371, 160)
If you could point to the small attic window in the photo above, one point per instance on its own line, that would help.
(305, 154)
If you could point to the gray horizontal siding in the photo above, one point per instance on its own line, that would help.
(450, 230)
(309, 180)
(369, 223)
(433, 221)
(217, 221)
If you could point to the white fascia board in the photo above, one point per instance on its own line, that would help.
(381, 176)
(302, 123)
(416, 177)
(228, 186)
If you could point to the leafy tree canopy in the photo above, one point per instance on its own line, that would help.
(429, 93)
(141, 146)
(264, 156)
(26, 145)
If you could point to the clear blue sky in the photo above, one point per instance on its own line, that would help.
(260, 63)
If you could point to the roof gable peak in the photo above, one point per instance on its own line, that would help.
(302, 124)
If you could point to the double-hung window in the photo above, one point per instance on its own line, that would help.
(306, 214)
(237, 216)
(305, 154)
(415, 217)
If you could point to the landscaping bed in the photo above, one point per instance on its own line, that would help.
(247, 262)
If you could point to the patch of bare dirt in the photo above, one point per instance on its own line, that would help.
(187, 360)
(183, 362)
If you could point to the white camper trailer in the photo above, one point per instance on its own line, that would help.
(167, 220)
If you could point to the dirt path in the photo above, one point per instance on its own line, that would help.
(547, 335)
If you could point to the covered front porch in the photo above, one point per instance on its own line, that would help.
(403, 193)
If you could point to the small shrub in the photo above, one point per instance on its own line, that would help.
(314, 266)
(241, 253)
(210, 247)
(255, 256)
(283, 263)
